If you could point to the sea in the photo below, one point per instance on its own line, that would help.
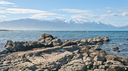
(117, 38)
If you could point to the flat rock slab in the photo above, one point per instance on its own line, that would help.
(52, 59)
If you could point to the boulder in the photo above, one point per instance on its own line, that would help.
(114, 48)
(106, 39)
(84, 41)
(74, 65)
(6, 62)
(56, 42)
(39, 70)
(49, 44)
(111, 62)
(87, 61)
(99, 43)
(97, 48)
(97, 39)
(97, 63)
(85, 54)
(4, 68)
(19, 46)
(28, 65)
(115, 68)
(103, 67)
(111, 57)
(99, 70)
(44, 36)
(9, 46)
(3, 51)
(99, 58)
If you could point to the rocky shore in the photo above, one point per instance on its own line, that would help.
(51, 54)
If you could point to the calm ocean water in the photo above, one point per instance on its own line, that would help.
(117, 38)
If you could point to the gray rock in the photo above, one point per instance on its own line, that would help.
(97, 63)
(9, 45)
(111, 62)
(26, 65)
(47, 40)
(99, 58)
(111, 57)
(106, 39)
(44, 36)
(85, 54)
(97, 48)
(3, 51)
(87, 61)
(46, 70)
(52, 61)
(99, 70)
(74, 65)
(56, 42)
(83, 41)
(69, 43)
(71, 48)
(4, 68)
(39, 70)
(6, 62)
(115, 48)
(103, 67)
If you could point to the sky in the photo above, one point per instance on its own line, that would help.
(114, 12)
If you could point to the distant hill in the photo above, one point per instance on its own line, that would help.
(3, 30)
(124, 28)
(33, 24)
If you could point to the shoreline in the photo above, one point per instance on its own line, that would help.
(51, 54)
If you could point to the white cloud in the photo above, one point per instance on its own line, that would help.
(121, 11)
(75, 10)
(33, 12)
(109, 11)
(6, 3)
(84, 17)
(41, 15)
(2, 16)
(20, 11)
(124, 14)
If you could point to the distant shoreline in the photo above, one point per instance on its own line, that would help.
(3, 30)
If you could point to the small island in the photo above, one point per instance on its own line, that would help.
(51, 54)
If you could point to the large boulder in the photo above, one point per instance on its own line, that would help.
(74, 65)
(95, 41)
(99, 58)
(97, 63)
(111, 57)
(9, 45)
(56, 42)
(106, 39)
(44, 36)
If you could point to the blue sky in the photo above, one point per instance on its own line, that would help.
(114, 12)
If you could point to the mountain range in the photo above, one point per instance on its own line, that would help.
(57, 25)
